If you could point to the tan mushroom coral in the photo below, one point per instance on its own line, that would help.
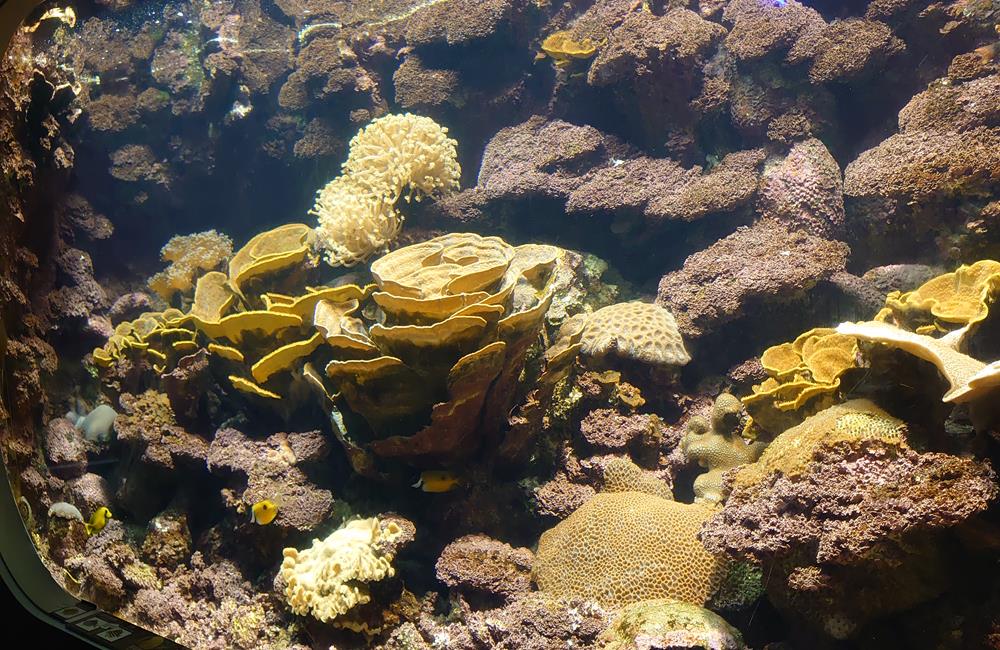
(968, 378)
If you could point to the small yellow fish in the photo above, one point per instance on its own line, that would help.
(263, 512)
(438, 481)
(98, 520)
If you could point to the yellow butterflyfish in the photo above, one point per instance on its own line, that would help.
(263, 512)
(438, 481)
(98, 520)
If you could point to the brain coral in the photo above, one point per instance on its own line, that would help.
(396, 155)
(330, 578)
(632, 330)
(189, 255)
(622, 547)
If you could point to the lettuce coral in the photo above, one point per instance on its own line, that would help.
(395, 156)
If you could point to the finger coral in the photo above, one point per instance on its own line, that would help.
(718, 446)
(332, 576)
(396, 155)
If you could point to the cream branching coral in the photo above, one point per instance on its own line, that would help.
(406, 152)
(353, 224)
(397, 155)
(331, 577)
(190, 256)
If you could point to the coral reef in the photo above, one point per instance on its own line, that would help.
(619, 345)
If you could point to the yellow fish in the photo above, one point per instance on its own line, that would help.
(437, 481)
(98, 520)
(263, 512)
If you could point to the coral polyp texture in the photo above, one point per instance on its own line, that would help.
(190, 256)
(716, 444)
(395, 156)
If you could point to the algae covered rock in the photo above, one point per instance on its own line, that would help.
(669, 623)
(866, 537)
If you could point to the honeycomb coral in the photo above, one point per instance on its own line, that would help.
(329, 578)
(669, 623)
(189, 255)
(622, 547)
(632, 330)
(396, 155)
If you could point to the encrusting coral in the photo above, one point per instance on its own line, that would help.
(717, 445)
(864, 537)
(396, 155)
(330, 577)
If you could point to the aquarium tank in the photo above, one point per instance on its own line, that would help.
(504, 324)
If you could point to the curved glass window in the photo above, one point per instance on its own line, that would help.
(474, 324)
